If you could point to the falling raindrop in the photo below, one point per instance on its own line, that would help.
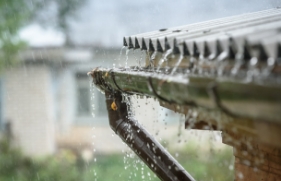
(121, 51)
(141, 60)
(240, 175)
(127, 57)
(180, 58)
(164, 59)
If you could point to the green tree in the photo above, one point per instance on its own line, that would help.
(64, 11)
(16, 14)
(13, 15)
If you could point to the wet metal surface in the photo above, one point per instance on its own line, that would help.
(227, 71)
(225, 31)
(141, 142)
(237, 97)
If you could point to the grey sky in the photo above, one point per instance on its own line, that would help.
(105, 22)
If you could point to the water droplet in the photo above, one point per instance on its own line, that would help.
(240, 175)
(127, 57)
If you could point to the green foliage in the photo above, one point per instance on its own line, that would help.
(202, 165)
(14, 166)
(15, 14)
(64, 10)
(117, 167)
(206, 165)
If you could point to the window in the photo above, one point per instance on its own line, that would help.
(100, 106)
(86, 106)
(169, 116)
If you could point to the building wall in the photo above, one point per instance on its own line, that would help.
(41, 100)
(29, 108)
(88, 132)
(65, 99)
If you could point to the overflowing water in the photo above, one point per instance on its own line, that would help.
(127, 57)
(141, 61)
(221, 66)
(138, 170)
(164, 59)
(173, 134)
(177, 65)
(152, 59)
(92, 95)
(121, 51)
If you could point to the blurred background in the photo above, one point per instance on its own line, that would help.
(53, 124)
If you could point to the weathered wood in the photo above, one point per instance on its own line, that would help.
(247, 173)
(255, 160)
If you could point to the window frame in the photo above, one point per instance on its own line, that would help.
(98, 119)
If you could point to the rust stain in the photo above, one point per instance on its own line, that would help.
(114, 106)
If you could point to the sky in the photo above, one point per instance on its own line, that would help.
(105, 22)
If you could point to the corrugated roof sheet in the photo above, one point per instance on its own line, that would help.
(258, 33)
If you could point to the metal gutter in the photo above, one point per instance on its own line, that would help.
(232, 97)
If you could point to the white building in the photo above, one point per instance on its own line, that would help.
(47, 99)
